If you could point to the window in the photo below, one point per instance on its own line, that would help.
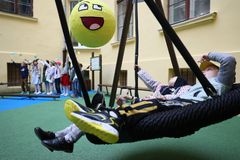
(182, 10)
(13, 74)
(122, 78)
(122, 6)
(74, 41)
(21, 7)
(185, 73)
(72, 4)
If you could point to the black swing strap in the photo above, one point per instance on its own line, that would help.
(71, 51)
(136, 49)
(121, 51)
(208, 88)
(169, 44)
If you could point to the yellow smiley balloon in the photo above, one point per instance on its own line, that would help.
(92, 23)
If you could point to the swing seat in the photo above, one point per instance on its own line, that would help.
(182, 121)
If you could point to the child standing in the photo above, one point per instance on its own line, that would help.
(65, 79)
(50, 76)
(75, 83)
(24, 76)
(46, 83)
(57, 76)
(36, 74)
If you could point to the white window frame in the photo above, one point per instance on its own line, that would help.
(121, 12)
(79, 45)
(17, 7)
(189, 9)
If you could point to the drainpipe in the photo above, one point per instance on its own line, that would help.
(64, 50)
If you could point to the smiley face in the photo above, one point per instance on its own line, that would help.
(92, 23)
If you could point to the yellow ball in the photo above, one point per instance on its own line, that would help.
(92, 23)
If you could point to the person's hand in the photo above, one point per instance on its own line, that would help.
(204, 58)
(149, 97)
(67, 58)
(137, 68)
(161, 97)
(120, 100)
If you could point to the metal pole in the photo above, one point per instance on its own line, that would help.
(121, 52)
(169, 44)
(71, 51)
(93, 78)
(207, 86)
(100, 72)
(136, 48)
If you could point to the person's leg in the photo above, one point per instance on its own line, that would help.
(35, 89)
(46, 87)
(26, 85)
(50, 88)
(64, 132)
(74, 94)
(63, 140)
(106, 125)
(53, 87)
(22, 85)
(63, 90)
(78, 89)
(57, 85)
(71, 134)
(38, 88)
(67, 90)
(69, 106)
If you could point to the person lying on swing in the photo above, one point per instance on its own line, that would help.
(222, 78)
(175, 87)
(107, 126)
(64, 140)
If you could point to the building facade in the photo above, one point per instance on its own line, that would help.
(202, 25)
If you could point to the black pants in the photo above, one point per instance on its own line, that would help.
(57, 85)
(129, 115)
(24, 84)
(132, 114)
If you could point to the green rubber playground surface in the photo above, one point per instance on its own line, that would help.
(18, 142)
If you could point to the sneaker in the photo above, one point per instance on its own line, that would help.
(73, 96)
(98, 101)
(99, 124)
(49, 93)
(71, 106)
(38, 92)
(58, 144)
(22, 92)
(44, 135)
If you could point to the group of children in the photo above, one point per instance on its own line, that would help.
(56, 79)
